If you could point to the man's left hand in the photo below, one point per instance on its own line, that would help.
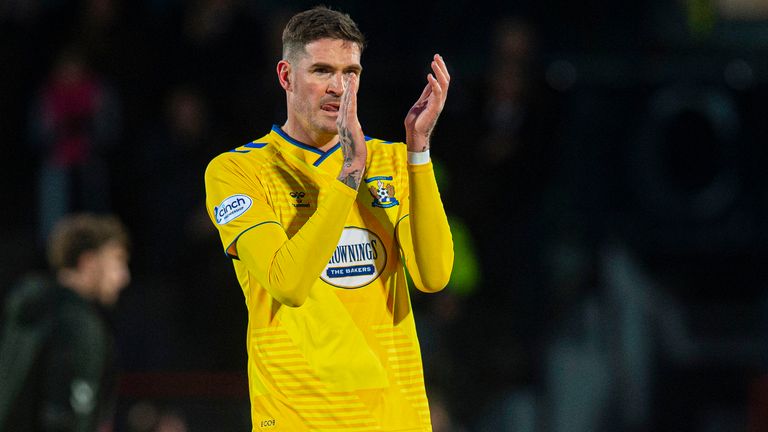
(422, 117)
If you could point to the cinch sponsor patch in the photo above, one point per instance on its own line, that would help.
(231, 208)
(358, 260)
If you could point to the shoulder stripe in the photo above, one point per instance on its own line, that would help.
(250, 145)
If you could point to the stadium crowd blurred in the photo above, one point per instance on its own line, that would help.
(602, 165)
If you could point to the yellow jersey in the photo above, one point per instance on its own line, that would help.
(345, 358)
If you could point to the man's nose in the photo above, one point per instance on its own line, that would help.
(336, 85)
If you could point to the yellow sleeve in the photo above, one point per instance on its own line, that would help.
(424, 234)
(236, 200)
(288, 268)
(251, 232)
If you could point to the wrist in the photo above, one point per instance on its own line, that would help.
(417, 143)
(418, 158)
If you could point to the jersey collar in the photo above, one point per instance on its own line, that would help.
(307, 152)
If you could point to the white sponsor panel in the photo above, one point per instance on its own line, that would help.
(358, 260)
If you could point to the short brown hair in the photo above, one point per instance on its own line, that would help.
(83, 232)
(318, 23)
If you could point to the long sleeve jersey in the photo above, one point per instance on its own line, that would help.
(331, 338)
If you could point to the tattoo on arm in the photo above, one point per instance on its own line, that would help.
(352, 178)
(347, 144)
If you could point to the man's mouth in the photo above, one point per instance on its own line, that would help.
(330, 107)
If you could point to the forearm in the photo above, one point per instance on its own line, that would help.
(288, 268)
(351, 137)
(351, 173)
(430, 234)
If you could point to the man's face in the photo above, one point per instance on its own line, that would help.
(111, 272)
(316, 83)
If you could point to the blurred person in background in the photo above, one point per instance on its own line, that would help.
(57, 361)
(518, 149)
(320, 222)
(161, 174)
(75, 122)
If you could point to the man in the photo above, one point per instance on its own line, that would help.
(320, 222)
(56, 352)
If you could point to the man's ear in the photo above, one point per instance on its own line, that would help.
(284, 75)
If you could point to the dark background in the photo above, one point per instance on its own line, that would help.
(605, 163)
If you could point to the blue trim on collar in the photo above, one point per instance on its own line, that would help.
(367, 138)
(299, 144)
(328, 153)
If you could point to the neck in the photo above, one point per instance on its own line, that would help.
(320, 140)
(77, 282)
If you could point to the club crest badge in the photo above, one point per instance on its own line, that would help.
(382, 191)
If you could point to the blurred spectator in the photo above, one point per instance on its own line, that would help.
(510, 91)
(222, 39)
(517, 149)
(512, 178)
(105, 39)
(179, 253)
(75, 122)
(170, 159)
(57, 350)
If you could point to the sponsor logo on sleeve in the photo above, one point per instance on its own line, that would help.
(232, 208)
(358, 260)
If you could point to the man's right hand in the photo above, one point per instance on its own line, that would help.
(351, 135)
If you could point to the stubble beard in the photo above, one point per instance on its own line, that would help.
(324, 123)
